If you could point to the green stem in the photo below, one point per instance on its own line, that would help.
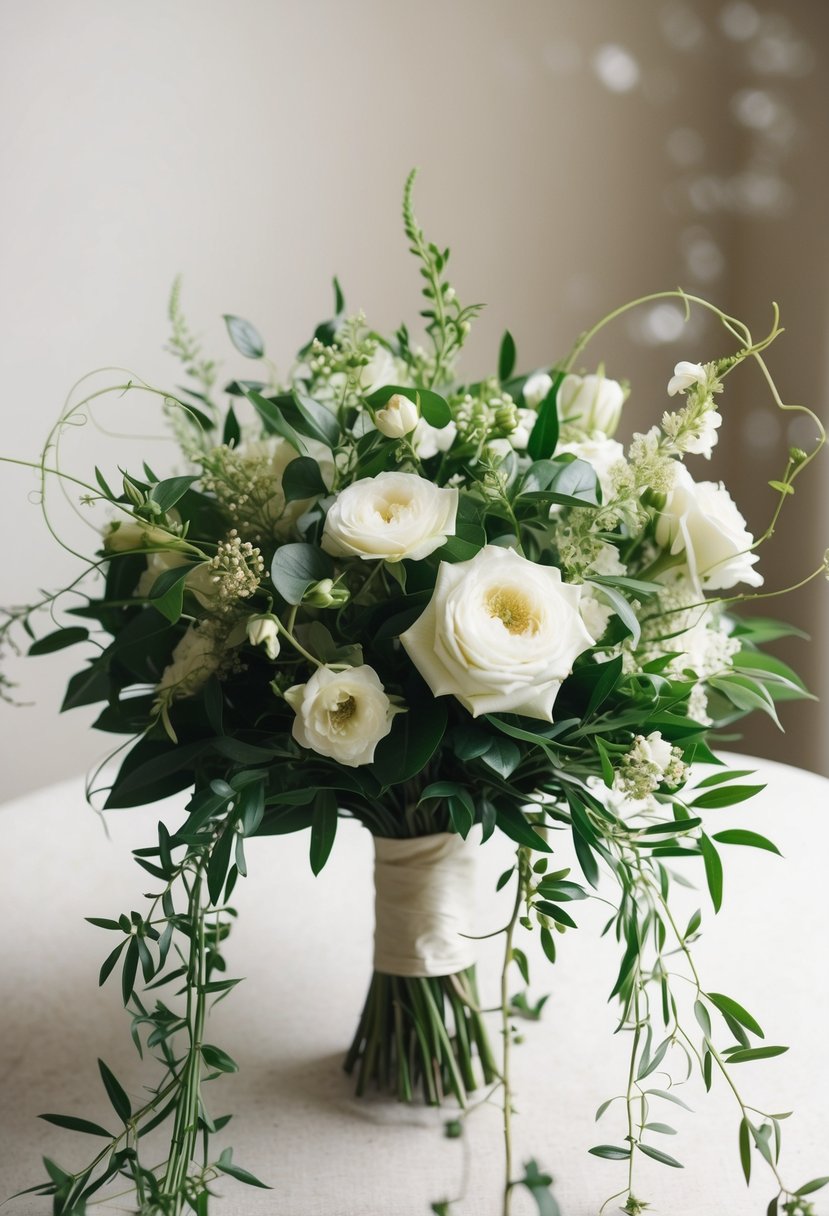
(507, 1043)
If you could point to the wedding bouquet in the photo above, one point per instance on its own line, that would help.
(371, 590)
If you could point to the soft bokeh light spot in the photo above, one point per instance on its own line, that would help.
(685, 147)
(616, 68)
(739, 21)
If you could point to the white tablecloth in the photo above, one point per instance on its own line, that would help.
(304, 948)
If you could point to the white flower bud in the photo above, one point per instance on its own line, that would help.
(326, 594)
(399, 418)
(685, 376)
(536, 388)
(263, 631)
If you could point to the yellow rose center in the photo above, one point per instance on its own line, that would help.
(342, 712)
(512, 608)
(390, 509)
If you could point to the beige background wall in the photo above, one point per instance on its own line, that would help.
(573, 154)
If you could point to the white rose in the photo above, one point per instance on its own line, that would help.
(500, 633)
(390, 516)
(685, 376)
(428, 440)
(380, 370)
(263, 631)
(601, 454)
(594, 403)
(194, 660)
(399, 417)
(701, 520)
(536, 388)
(341, 714)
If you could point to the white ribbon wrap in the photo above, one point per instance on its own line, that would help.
(424, 897)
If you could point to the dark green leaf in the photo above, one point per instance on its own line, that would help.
(323, 828)
(58, 640)
(78, 1125)
(232, 433)
(115, 1093)
(610, 1152)
(658, 1155)
(745, 1055)
(745, 1148)
(513, 824)
(727, 1005)
(556, 913)
(244, 337)
(809, 1188)
(753, 839)
(726, 795)
(506, 357)
(275, 420)
(167, 493)
(129, 970)
(544, 435)
(302, 479)
(713, 870)
(219, 862)
(296, 566)
(214, 1057)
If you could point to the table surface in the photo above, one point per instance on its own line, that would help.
(304, 948)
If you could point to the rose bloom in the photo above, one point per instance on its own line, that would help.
(341, 714)
(594, 403)
(701, 521)
(500, 633)
(390, 516)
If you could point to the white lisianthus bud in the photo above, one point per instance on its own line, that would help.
(390, 516)
(536, 388)
(685, 376)
(326, 594)
(123, 535)
(500, 633)
(592, 403)
(342, 714)
(263, 631)
(700, 520)
(399, 417)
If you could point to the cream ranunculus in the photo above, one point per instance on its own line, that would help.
(390, 516)
(593, 403)
(399, 417)
(700, 520)
(341, 714)
(500, 633)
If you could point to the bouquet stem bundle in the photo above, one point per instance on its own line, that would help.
(422, 1032)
